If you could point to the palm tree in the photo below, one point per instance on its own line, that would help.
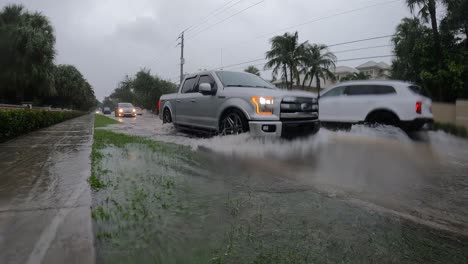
(285, 55)
(27, 52)
(356, 76)
(317, 61)
(253, 70)
(428, 11)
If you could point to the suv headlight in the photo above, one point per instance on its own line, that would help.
(263, 104)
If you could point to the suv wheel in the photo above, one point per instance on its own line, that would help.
(233, 123)
(167, 116)
(383, 118)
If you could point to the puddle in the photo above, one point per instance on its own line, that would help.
(262, 201)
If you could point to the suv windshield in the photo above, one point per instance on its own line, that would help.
(125, 105)
(240, 79)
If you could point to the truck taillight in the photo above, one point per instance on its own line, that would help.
(418, 107)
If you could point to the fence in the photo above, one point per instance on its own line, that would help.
(456, 114)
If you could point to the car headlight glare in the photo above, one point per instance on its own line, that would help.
(263, 104)
(120, 110)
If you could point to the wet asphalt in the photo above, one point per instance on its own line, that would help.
(44, 195)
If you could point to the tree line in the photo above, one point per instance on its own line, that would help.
(434, 54)
(27, 69)
(142, 90)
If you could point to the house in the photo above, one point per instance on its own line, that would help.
(375, 70)
(343, 71)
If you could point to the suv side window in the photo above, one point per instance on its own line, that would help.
(189, 85)
(335, 92)
(384, 89)
(360, 90)
(207, 79)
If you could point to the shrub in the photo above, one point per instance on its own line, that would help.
(19, 121)
(451, 129)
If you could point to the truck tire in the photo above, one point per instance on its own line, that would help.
(167, 118)
(233, 122)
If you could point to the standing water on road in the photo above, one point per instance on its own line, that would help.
(369, 195)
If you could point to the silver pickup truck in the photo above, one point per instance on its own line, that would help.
(224, 102)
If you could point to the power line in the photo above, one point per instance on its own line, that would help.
(322, 18)
(221, 21)
(334, 45)
(360, 40)
(214, 13)
(365, 48)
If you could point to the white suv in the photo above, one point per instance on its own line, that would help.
(386, 102)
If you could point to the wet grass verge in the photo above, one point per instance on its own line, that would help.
(102, 120)
(155, 202)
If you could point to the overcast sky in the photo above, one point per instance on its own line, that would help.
(108, 39)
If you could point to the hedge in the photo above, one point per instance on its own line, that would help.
(19, 121)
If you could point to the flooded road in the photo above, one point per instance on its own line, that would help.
(44, 197)
(363, 196)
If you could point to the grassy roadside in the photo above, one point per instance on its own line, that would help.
(102, 121)
(451, 129)
(156, 202)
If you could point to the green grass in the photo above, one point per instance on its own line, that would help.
(451, 129)
(102, 121)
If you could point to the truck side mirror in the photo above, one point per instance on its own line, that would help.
(205, 88)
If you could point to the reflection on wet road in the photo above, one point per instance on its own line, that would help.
(44, 196)
(366, 195)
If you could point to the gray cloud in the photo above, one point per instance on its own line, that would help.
(109, 39)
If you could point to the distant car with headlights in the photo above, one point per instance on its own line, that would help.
(106, 110)
(139, 111)
(125, 109)
(225, 102)
(387, 102)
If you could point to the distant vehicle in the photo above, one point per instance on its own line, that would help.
(396, 103)
(139, 111)
(106, 111)
(225, 103)
(125, 109)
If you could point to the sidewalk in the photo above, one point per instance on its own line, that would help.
(45, 199)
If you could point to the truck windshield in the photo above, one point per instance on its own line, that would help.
(241, 79)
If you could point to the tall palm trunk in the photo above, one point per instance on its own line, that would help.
(437, 46)
(291, 77)
(304, 81)
(317, 80)
(285, 75)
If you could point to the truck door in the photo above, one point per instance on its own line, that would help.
(185, 102)
(206, 105)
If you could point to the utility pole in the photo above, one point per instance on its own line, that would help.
(182, 60)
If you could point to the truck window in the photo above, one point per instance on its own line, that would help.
(207, 79)
(189, 85)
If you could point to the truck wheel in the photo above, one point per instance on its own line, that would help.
(167, 116)
(233, 123)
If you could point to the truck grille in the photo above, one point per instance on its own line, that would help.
(294, 108)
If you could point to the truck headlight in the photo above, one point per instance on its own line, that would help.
(263, 104)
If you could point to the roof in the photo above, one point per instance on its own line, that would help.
(372, 64)
(344, 69)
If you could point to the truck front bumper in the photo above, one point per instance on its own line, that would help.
(285, 129)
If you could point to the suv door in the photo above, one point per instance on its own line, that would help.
(206, 105)
(362, 99)
(185, 102)
(330, 104)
